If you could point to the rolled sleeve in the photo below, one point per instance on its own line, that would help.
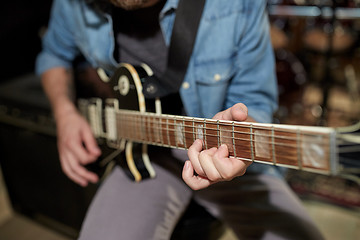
(58, 44)
(46, 61)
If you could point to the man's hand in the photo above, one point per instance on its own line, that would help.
(76, 144)
(206, 167)
(77, 147)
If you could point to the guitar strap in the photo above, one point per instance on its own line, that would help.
(187, 20)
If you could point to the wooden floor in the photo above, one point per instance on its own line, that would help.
(335, 222)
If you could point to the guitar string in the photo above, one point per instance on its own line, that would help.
(136, 114)
(215, 123)
(133, 132)
(289, 150)
(283, 128)
(285, 160)
(159, 133)
(222, 130)
(241, 132)
(173, 131)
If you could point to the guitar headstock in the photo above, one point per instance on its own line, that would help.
(348, 141)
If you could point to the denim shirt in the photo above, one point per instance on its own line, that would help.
(232, 59)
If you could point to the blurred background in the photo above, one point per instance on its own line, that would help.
(317, 49)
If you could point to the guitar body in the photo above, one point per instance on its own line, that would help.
(124, 89)
(126, 83)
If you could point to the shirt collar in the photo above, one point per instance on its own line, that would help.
(169, 6)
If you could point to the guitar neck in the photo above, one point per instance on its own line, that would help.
(304, 148)
(300, 147)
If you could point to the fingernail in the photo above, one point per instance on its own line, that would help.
(187, 164)
(223, 145)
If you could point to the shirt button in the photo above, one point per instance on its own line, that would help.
(217, 77)
(185, 85)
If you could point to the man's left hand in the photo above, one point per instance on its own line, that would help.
(206, 167)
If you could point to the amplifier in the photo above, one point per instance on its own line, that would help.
(29, 159)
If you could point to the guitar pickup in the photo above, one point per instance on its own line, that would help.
(111, 105)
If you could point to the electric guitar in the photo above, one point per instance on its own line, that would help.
(124, 122)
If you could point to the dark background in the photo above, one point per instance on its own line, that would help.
(21, 23)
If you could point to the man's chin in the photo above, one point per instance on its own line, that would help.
(133, 4)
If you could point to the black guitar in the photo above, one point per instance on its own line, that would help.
(123, 121)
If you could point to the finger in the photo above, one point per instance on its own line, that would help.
(79, 151)
(70, 173)
(81, 171)
(193, 154)
(195, 182)
(238, 112)
(229, 167)
(90, 142)
(207, 164)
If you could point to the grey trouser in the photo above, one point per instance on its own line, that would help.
(254, 206)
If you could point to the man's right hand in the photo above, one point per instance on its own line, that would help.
(77, 147)
(76, 143)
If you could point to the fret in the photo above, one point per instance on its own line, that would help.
(273, 144)
(148, 129)
(193, 129)
(218, 133)
(138, 127)
(179, 133)
(160, 130)
(143, 128)
(226, 136)
(298, 148)
(251, 142)
(211, 135)
(189, 132)
(122, 123)
(233, 138)
(133, 126)
(262, 145)
(167, 131)
(183, 129)
(175, 134)
(128, 126)
(242, 141)
(199, 130)
(285, 148)
(155, 129)
(172, 137)
(205, 138)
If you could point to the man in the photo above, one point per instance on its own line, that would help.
(230, 76)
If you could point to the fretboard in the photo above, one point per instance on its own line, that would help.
(299, 147)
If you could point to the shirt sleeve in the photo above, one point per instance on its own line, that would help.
(255, 82)
(58, 44)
